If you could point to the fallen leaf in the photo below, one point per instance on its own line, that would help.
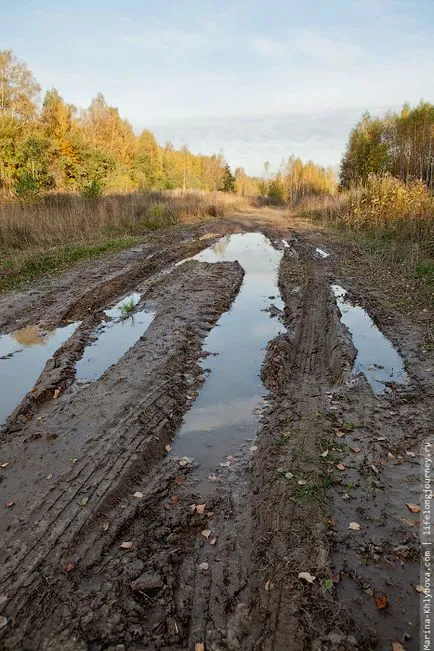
(253, 448)
(203, 567)
(3, 621)
(225, 464)
(168, 448)
(9, 505)
(269, 585)
(209, 514)
(105, 526)
(213, 541)
(410, 523)
(179, 480)
(83, 501)
(345, 496)
(206, 533)
(56, 393)
(414, 508)
(74, 461)
(336, 578)
(175, 499)
(325, 454)
(50, 476)
(5, 464)
(354, 526)
(374, 468)
(68, 568)
(199, 646)
(200, 508)
(212, 477)
(306, 577)
(355, 449)
(397, 646)
(370, 592)
(340, 434)
(126, 545)
(302, 482)
(340, 466)
(382, 601)
(410, 454)
(331, 522)
(185, 461)
(138, 495)
(419, 588)
(390, 455)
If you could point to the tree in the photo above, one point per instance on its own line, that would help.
(18, 88)
(56, 116)
(228, 180)
(148, 161)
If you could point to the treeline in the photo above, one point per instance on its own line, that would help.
(55, 146)
(296, 180)
(399, 144)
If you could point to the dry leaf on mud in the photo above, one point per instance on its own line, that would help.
(138, 495)
(410, 523)
(179, 480)
(168, 448)
(340, 434)
(199, 646)
(200, 508)
(50, 476)
(302, 482)
(68, 568)
(9, 505)
(410, 454)
(340, 466)
(375, 469)
(83, 501)
(105, 526)
(185, 461)
(175, 499)
(414, 508)
(397, 646)
(324, 454)
(5, 464)
(206, 533)
(203, 567)
(355, 449)
(213, 541)
(419, 588)
(306, 577)
(212, 477)
(382, 601)
(3, 622)
(345, 496)
(269, 585)
(354, 526)
(126, 544)
(56, 393)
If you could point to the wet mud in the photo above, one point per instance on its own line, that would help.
(184, 454)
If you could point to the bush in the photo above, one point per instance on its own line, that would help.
(27, 187)
(92, 190)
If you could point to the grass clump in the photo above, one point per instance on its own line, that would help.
(128, 307)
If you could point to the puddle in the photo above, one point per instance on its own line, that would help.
(113, 338)
(376, 357)
(23, 355)
(321, 252)
(225, 414)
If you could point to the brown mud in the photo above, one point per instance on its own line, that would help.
(108, 541)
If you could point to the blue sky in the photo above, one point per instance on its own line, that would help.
(257, 80)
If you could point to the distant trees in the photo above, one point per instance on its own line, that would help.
(401, 144)
(54, 146)
(296, 180)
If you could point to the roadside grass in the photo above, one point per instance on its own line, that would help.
(128, 308)
(19, 268)
(57, 230)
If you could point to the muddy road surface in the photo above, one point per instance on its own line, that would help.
(214, 440)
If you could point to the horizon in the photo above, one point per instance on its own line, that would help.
(256, 85)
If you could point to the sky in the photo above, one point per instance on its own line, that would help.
(255, 80)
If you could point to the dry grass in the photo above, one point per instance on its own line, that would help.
(60, 229)
(70, 219)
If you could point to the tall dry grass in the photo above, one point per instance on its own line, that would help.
(392, 214)
(64, 219)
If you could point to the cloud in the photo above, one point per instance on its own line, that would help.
(269, 47)
(172, 40)
(319, 46)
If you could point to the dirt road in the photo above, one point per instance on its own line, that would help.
(220, 454)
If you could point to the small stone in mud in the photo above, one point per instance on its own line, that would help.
(3, 622)
(147, 582)
(203, 567)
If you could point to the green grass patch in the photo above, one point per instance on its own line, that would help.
(19, 269)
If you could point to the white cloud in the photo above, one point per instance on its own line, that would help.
(269, 47)
(317, 45)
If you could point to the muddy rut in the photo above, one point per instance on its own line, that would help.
(147, 508)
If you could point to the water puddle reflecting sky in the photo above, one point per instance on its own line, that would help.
(224, 413)
(376, 357)
(23, 355)
(113, 338)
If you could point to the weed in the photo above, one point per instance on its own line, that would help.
(285, 438)
(128, 307)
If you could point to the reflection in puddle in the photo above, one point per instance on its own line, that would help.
(113, 338)
(376, 358)
(23, 355)
(322, 253)
(223, 415)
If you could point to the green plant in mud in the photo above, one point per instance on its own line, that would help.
(128, 308)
